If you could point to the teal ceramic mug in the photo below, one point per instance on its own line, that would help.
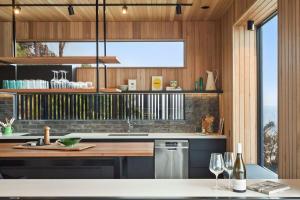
(7, 130)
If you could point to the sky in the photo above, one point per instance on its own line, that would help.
(134, 54)
(270, 62)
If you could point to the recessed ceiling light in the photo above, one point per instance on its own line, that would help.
(178, 9)
(17, 10)
(124, 9)
(205, 7)
(71, 10)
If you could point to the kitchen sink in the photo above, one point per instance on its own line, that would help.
(128, 134)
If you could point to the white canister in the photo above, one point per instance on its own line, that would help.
(131, 84)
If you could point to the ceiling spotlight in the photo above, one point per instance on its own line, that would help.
(178, 9)
(205, 7)
(124, 9)
(71, 10)
(17, 10)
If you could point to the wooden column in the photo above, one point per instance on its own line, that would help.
(289, 88)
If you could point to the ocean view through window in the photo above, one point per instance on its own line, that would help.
(268, 91)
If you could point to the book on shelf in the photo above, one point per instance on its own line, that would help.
(268, 187)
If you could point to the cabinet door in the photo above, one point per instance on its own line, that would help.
(138, 168)
(60, 168)
(199, 156)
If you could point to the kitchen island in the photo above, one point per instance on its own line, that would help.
(134, 189)
(104, 149)
(200, 146)
(104, 160)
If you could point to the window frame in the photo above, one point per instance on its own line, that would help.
(120, 40)
(260, 136)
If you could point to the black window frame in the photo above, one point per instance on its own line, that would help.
(260, 141)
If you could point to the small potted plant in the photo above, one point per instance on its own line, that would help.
(7, 128)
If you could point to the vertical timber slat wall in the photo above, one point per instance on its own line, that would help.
(239, 65)
(5, 39)
(244, 96)
(289, 88)
(238, 52)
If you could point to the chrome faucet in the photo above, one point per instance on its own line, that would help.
(130, 126)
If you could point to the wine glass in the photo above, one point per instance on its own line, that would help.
(63, 80)
(228, 166)
(216, 166)
(66, 80)
(54, 80)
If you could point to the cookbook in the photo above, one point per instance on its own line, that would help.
(268, 187)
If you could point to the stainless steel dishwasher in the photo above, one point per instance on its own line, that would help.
(171, 159)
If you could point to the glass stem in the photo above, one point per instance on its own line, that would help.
(229, 180)
(217, 180)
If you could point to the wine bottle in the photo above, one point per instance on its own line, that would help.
(239, 172)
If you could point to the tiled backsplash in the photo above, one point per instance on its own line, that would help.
(196, 107)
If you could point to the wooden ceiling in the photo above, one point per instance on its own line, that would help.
(135, 13)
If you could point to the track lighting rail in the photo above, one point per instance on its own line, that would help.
(100, 5)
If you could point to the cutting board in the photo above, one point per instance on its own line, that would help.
(56, 147)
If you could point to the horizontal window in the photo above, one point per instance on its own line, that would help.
(130, 53)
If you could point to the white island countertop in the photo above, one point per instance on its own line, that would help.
(125, 188)
(116, 136)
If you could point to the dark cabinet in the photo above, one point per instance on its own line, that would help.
(79, 168)
(138, 168)
(61, 168)
(199, 156)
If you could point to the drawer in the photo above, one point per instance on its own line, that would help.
(215, 145)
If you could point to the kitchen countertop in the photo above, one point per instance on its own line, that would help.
(95, 136)
(133, 189)
(101, 149)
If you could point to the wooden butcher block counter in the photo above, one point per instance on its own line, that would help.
(101, 149)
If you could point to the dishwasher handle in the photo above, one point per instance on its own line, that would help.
(164, 147)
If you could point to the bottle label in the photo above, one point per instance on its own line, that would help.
(239, 184)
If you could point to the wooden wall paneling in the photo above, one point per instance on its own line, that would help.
(202, 46)
(247, 116)
(259, 11)
(5, 39)
(244, 96)
(187, 76)
(253, 96)
(86, 74)
(297, 122)
(241, 6)
(227, 72)
(238, 80)
(283, 118)
(289, 92)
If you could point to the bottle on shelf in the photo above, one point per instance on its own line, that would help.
(239, 172)
(201, 86)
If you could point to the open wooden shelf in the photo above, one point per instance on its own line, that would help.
(103, 90)
(30, 91)
(59, 60)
